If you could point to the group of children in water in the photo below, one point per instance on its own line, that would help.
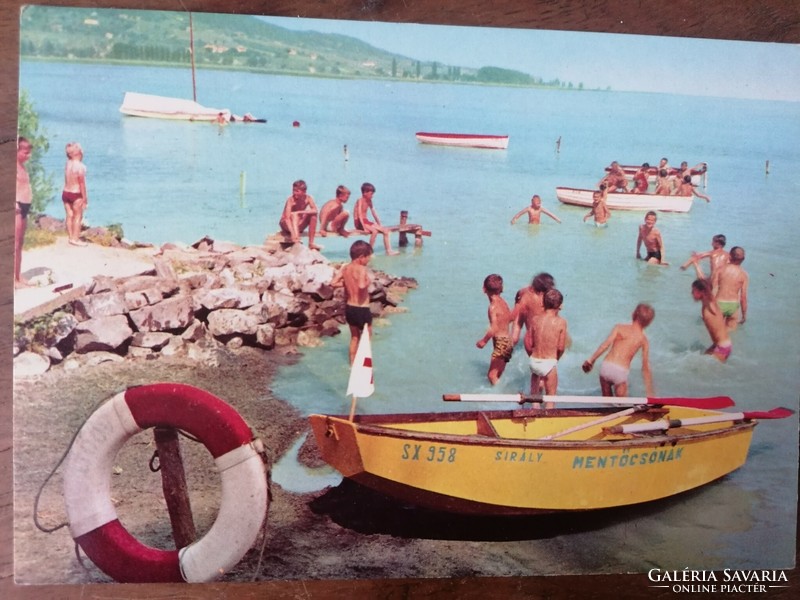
(722, 294)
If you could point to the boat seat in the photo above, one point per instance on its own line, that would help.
(485, 426)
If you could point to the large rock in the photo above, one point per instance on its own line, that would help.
(167, 315)
(228, 297)
(30, 364)
(231, 321)
(155, 340)
(105, 304)
(102, 333)
(316, 279)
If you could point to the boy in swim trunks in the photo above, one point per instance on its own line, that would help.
(528, 303)
(299, 213)
(713, 319)
(545, 342)
(498, 332)
(623, 343)
(599, 210)
(651, 238)
(74, 196)
(22, 206)
(333, 216)
(730, 282)
(717, 256)
(356, 279)
(687, 188)
(640, 183)
(534, 212)
(361, 218)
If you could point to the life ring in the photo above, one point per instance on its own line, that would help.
(93, 520)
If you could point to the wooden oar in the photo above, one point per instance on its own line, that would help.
(775, 413)
(592, 423)
(714, 402)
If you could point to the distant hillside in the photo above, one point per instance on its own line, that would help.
(230, 41)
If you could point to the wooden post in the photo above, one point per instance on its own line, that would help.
(403, 238)
(173, 482)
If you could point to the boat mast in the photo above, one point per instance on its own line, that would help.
(191, 53)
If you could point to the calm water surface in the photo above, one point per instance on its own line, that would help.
(169, 181)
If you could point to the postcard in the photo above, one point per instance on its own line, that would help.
(306, 299)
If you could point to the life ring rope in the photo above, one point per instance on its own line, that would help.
(92, 516)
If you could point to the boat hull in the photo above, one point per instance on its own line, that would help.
(443, 462)
(173, 109)
(623, 201)
(464, 140)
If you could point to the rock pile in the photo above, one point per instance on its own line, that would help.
(198, 299)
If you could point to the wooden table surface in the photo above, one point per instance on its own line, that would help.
(752, 20)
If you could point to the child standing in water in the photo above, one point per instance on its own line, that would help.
(713, 319)
(545, 342)
(534, 212)
(499, 324)
(356, 278)
(623, 343)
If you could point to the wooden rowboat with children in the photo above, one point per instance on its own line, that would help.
(525, 460)
(626, 201)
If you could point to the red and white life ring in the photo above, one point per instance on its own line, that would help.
(87, 485)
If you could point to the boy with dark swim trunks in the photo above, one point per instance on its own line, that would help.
(356, 279)
(651, 238)
(623, 343)
(498, 332)
(361, 220)
(22, 206)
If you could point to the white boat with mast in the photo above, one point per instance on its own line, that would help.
(152, 106)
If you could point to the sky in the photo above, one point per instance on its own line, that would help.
(755, 70)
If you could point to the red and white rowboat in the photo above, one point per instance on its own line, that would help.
(465, 140)
(629, 201)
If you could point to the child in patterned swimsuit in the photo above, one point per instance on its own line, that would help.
(499, 324)
(624, 342)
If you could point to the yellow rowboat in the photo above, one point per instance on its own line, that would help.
(531, 460)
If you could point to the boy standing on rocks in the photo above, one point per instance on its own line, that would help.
(356, 279)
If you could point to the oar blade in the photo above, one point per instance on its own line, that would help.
(775, 413)
(712, 402)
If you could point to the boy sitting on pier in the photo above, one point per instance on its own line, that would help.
(333, 216)
(299, 213)
(624, 342)
(361, 218)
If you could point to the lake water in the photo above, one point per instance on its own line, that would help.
(168, 181)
